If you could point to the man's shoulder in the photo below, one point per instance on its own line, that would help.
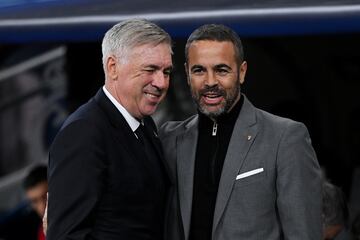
(264, 118)
(275, 119)
(87, 117)
(278, 124)
(177, 127)
(84, 126)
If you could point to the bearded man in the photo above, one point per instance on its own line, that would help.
(241, 173)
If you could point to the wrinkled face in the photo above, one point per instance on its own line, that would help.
(140, 81)
(214, 76)
(37, 197)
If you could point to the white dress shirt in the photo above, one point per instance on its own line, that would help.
(133, 122)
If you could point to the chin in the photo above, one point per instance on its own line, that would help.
(148, 112)
(212, 112)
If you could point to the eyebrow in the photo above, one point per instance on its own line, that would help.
(170, 68)
(222, 65)
(196, 66)
(218, 66)
(157, 67)
(152, 66)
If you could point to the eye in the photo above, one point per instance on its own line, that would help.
(167, 72)
(150, 70)
(222, 71)
(197, 70)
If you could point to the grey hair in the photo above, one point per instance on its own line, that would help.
(131, 33)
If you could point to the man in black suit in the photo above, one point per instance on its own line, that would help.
(107, 177)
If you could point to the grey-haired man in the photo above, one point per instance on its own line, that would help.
(107, 177)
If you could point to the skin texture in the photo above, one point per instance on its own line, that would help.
(37, 197)
(140, 81)
(214, 76)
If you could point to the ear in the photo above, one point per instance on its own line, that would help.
(242, 72)
(187, 73)
(111, 68)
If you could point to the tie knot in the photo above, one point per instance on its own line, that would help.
(140, 127)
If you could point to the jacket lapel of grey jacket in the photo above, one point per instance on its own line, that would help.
(243, 135)
(186, 152)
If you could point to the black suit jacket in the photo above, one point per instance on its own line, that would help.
(101, 183)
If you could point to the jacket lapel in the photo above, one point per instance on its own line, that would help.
(122, 130)
(186, 152)
(157, 145)
(243, 135)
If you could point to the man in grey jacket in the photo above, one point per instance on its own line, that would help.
(241, 173)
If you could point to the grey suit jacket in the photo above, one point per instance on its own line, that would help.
(270, 186)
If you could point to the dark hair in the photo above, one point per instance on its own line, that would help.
(335, 210)
(216, 32)
(37, 175)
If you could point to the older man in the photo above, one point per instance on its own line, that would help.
(242, 173)
(107, 177)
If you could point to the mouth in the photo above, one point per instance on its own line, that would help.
(153, 96)
(212, 98)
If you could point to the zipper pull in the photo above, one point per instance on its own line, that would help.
(214, 130)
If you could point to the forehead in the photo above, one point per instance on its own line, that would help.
(151, 52)
(206, 51)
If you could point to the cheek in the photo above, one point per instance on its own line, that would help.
(136, 88)
(196, 84)
(229, 83)
(167, 85)
(194, 89)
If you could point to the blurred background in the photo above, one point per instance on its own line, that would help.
(303, 58)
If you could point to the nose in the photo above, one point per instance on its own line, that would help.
(211, 79)
(161, 80)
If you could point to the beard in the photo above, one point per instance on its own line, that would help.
(230, 97)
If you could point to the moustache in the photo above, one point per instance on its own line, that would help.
(212, 90)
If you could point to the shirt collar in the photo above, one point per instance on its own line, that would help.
(133, 122)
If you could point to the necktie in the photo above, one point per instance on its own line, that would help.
(140, 134)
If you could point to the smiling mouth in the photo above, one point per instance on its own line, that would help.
(212, 95)
(152, 95)
(212, 98)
